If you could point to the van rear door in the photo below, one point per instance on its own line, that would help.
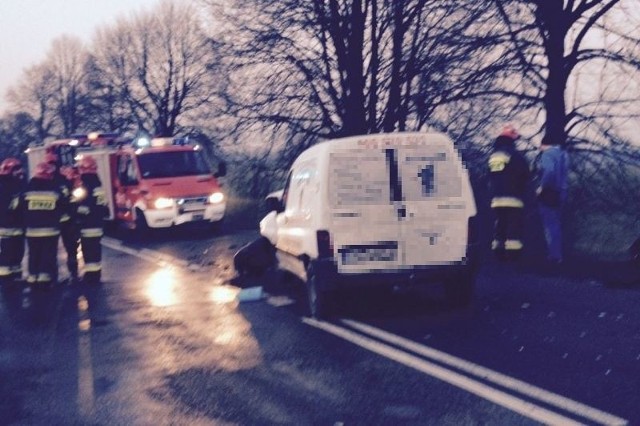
(436, 204)
(398, 204)
(364, 223)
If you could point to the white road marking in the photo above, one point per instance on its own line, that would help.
(482, 390)
(519, 386)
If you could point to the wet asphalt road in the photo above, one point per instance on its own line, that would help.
(164, 341)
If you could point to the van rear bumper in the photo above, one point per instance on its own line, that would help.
(329, 278)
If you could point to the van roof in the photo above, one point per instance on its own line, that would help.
(379, 140)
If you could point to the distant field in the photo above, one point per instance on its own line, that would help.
(606, 236)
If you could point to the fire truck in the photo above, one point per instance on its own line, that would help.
(148, 182)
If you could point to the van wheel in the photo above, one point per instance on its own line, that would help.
(459, 289)
(318, 298)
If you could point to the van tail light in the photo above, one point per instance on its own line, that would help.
(325, 248)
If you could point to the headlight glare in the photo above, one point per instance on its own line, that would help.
(163, 203)
(216, 197)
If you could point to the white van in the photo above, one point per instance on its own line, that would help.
(385, 209)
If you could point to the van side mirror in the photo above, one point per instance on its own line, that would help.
(273, 201)
(274, 204)
(222, 170)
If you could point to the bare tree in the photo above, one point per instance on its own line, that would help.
(54, 92)
(156, 62)
(552, 40)
(33, 96)
(333, 68)
(17, 131)
(67, 60)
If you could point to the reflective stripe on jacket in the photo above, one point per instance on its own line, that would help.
(506, 202)
(42, 232)
(43, 206)
(11, 232)
(91, 232)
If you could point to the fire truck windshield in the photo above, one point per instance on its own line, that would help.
(172, 164)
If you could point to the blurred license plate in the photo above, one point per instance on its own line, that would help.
(197, 216)
(385, 251)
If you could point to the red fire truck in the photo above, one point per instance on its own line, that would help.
(149, 183)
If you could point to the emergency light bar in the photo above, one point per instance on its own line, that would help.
(96, 138)
(144, 142)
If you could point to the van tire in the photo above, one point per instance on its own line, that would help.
(459, 289)
(318, 298)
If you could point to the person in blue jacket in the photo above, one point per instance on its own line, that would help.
(553, 166)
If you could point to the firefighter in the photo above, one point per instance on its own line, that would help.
(11, 224)
(43, 205)
(69, 229)
(69, 232)
(91, 211)
(509, 174)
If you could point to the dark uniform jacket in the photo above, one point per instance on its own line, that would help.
(65, 186)
(509, 174)
(92, 209)
(11, 223)
(43, 205)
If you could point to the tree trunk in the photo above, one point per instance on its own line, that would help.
(556, 24)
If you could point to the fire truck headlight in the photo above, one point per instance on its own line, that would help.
(216, 197)
(163, 203)
(79, 193)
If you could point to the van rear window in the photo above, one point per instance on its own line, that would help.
(370, 177)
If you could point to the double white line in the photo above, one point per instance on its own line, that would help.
(470, 377)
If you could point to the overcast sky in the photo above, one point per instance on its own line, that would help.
(27, 28)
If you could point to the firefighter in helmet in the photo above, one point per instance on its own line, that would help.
(43, 205)
(11, 224)
(69, 229)
(509, 174)
(69, 232)
(92, 210)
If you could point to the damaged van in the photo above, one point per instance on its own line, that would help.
(376, 210)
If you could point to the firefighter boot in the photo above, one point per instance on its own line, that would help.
(92, 277)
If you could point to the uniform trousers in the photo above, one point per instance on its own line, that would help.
(43, 259)
(507, 239)
(11, 254)
(92, 253)
(71, 241)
